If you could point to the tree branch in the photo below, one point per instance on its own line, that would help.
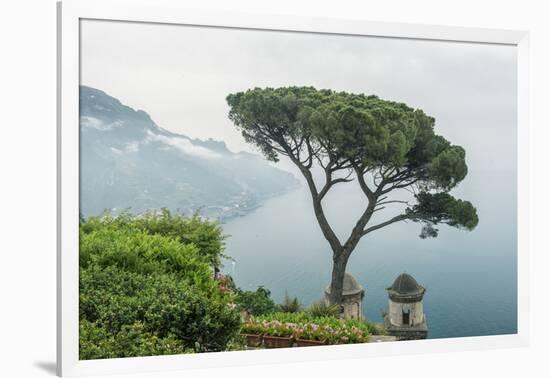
(329, 182)
(387, 223)
(266, 140)
(309, 160)
(393, 201)
(326, 229)
(362, 183)
(357, 232)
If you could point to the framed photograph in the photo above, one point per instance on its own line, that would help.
(243, 189)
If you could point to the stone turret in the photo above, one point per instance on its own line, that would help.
(405, 318)
(352, 298)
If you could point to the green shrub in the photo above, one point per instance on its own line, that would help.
(321, 308)
(145, 292)
(135, 250)
(202, 319)
(131, 341)
(376, 328)
(205, 235)
(290, 304)
(257, 302)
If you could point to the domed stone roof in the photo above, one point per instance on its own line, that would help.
(351, 286)
(405, 288)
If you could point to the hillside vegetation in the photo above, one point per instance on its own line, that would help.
(147, 287)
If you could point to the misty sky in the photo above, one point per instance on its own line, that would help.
(181, 75)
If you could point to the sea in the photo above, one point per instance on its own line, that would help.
(470, 276)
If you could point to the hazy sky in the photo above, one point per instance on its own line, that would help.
(181, 75)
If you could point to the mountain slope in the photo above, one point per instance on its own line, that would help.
(127, 161)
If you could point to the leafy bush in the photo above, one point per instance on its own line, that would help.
(135, 250)
(290, 304)
(321, 308)
(131, 341)
(201, 319)
(376, 328)
(206, 235)
(203, 234)
(144, 293)
(257, 302)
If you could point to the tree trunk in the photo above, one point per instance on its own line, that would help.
(340, 252)
(341, 255)
(340, 261)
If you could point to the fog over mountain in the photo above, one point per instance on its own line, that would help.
(129, 162)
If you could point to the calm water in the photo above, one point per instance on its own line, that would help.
(470, 277)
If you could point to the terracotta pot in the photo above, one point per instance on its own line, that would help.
(277, 342)
(305, 343)
(253, 340)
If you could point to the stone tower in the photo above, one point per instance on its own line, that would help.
(352, 298)
(405, 318)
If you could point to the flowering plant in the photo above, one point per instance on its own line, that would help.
(312, 331)
(225, 283)
(277, 328)
(268, 327)
(302, 326)
(253, 327)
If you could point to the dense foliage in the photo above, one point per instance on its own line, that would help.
(321, 308)
(195, 231)
(300, 325)
(290, 304)
(131, 341)
(146, 288)
(257, 302)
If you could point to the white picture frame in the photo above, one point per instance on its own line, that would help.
(70, 13)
